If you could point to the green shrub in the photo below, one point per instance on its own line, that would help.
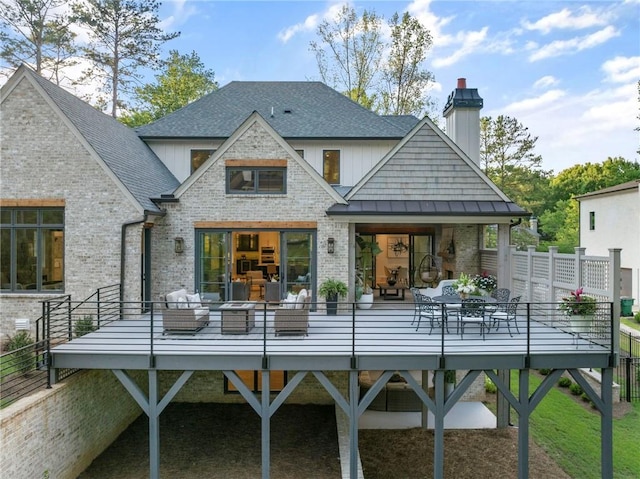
(489, 386)
(575, 389)
(22, 360)
(565, 382)
(636, 317)
(544, 371)
(585, 397)
(84, 326)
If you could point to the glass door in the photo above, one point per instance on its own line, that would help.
(212, 265)
(297, 265)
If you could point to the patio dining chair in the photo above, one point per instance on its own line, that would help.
(473, 311)
(416, 302)
(452, 309)
(429, 310)
(508, 315)
(501, 295)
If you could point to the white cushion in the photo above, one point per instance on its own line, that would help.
(302, 295)
(173, 297)
(290, 301)
(182, 303)
(194, 300)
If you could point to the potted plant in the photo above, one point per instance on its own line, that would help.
(465, 286)
(486, 283)
(331, 289)
(364, 291)
(580, 308)
(449, 381)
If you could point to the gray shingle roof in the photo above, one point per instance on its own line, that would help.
(294, 109)
(130, 159)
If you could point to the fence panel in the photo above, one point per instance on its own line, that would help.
(628, 370)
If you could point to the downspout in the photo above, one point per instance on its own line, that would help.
(123, 250)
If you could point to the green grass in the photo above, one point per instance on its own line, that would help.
(631, 323)
(571, 435)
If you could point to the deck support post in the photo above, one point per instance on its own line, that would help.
(438, 428)
(154, 426)
(523, 424)
(502, 405)
(606, 423)
(353, 423)
(265, 417)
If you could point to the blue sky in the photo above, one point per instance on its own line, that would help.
(566, 70)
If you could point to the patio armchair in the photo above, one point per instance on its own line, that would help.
(293, 320)
(183, 312)
(429, 309)
(472, 311)
(256, 281)
(508, 315)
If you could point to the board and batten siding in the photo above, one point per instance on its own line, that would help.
(357, 157)
(427, 168)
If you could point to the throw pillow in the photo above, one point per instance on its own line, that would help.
(182, 303)
(194, 300)
(302, 295)
(290, 302)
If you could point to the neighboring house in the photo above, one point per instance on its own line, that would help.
(277, 177)
(610, 218)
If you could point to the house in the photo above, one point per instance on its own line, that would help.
(255, 176)
(610, 218)
(258, 179)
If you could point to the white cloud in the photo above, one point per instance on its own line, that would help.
(548, 98)
(182, 11)
(622, 69)
(576, 44)
(566, 20)
(469, 42)
(546, 81)
(309, 24)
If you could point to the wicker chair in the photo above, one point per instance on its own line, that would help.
(293, 321)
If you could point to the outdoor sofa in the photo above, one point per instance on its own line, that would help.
(183, 312)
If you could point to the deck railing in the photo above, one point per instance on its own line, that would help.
(385, 329)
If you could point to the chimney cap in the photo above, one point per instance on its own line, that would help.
(463, 97)
(462, 83)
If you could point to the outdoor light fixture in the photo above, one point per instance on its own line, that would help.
(178, 245)
(331, 245)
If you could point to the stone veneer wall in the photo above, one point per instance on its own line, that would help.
(206, 200)
(58, 432)
(51, 163)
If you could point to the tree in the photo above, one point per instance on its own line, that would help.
(31, 33)
(350, 52)
(404, 82)
(561, 226)
(508, 159)
(124, 36)
(183, 79)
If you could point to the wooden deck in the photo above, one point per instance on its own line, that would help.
(378, 338)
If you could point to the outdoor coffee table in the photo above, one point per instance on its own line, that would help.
(237, 317)
(385, 287)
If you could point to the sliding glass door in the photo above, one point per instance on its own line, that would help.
(297, 261)
(212, 265)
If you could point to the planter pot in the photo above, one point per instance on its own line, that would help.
(332, 305)
(365, 301)
(448, 389)
(580, 324)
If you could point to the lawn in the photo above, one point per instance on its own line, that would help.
(631, 323)
(570, 433)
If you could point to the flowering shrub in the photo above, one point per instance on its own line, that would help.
(578, 304)
(486, 282)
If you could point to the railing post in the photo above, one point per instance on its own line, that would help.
(530, 289)
(551, 295)
(70, 325)
(264, 332)
(151, 360)
(98, 307)
(353, 331)
(528, 359)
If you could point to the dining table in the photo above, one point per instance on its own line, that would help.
(453, 303)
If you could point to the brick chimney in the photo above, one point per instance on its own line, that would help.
(462, 115)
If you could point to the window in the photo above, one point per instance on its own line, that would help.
(253, 380)
(32, 253)
(592, 220)
(256, 180)
(331, 166)
(198, 157)
(301, 153)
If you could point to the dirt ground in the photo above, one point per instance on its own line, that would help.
(223, 441)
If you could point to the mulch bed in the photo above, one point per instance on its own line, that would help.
(224, 441)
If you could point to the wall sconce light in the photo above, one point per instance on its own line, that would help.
(331, 245)
(178, 244)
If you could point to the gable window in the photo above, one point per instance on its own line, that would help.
(32, 253)
(592, 220)
(301, 153)
(198, 157)
(331, 166)
(256, 180)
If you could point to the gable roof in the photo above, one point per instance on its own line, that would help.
(253, 119)
(131, 162)
(427, 174)
(295, 110)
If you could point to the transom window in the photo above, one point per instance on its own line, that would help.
(254, 180)
(32, 253)
(331, 166)
(592, 220)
